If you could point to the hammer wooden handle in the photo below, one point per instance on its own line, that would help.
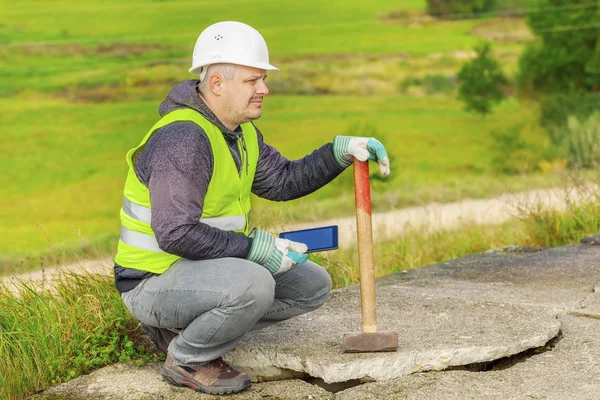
(362, 195)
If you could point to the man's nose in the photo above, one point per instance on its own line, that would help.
(262, 89)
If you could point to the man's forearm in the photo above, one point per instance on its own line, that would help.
(279, 179)
(202, 242)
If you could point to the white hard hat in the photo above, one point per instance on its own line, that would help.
(230, 42)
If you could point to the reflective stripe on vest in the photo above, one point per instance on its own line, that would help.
(139, 240)
(136, 211)
(144, 214)
(148, 242)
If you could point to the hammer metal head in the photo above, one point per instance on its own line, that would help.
(360, 342)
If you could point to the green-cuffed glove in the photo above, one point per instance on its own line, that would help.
(363, 148)
(275, 254)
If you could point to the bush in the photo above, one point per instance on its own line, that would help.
(514, 8)
(515, 150)
(480, 82)
(431, 84)
(458, 8)
(583, 139)
(566, 59)
(557, 108)
(561, 115)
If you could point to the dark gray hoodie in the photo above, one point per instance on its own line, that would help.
(176, 165)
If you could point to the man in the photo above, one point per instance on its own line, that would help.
(186, 265)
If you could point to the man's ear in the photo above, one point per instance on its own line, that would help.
(216, 84)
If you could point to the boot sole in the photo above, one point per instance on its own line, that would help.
(204, 389)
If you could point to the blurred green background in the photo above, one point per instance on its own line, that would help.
(81, 81)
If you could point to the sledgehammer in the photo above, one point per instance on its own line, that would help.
(369, 340)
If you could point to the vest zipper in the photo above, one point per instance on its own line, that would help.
(244, 161)
(244, 154)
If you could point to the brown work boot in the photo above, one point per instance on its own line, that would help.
(215, 377)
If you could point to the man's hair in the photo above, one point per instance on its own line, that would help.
(227, 71)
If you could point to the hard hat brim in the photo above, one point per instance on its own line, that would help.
(196, 68)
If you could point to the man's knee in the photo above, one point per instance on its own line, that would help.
(322, 289)
(254, 285)
(314, 286)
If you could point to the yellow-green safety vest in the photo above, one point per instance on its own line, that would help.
(226, 204)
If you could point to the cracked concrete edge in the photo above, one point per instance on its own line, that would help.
(567, 369)
(140, 383)
(463, 357)
(126, 381)
(289, 366)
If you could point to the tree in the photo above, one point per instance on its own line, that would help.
(567, 57)
(480, 82)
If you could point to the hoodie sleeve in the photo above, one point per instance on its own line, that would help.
(280, 179)
(176, 165)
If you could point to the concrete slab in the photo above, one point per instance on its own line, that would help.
(575, 264)
(559, 277)
(128, 382)
(571, 371)
(434, 333)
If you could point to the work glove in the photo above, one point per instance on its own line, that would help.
(363, 148)
(275, 254)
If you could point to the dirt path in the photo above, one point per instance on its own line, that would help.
(429, 218)
(438, 217)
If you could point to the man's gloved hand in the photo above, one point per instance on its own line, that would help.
(275, 254)
(363, 148)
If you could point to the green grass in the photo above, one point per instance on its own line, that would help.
(55, 335)
(48, 336)
(291, 28)
(60, 45)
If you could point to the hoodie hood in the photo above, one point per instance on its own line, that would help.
(186, 94)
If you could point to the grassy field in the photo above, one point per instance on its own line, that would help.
(80, 83)
(61, 45)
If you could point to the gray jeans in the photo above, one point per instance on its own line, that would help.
(215, 302)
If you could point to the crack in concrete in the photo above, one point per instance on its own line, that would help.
(510, 361)
(334, 387)
(494, 365)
